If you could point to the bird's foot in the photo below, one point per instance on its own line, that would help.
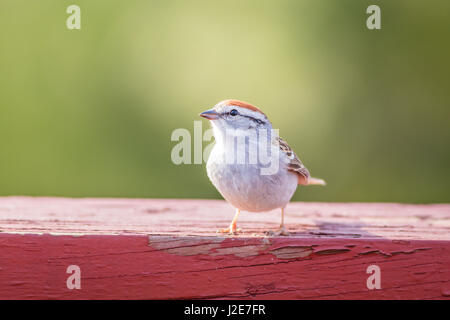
(280, 232)
(232, 230)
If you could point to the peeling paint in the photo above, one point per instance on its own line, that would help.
(186, 246)
(169, 242)
(190, 246)
(409, 251)
(332, 251)
(375, 252)
(193, 250)
(292, 252)
(241, 251)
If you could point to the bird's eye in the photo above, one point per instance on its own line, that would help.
(233, 112)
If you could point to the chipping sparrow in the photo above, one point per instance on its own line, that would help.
(235, 166)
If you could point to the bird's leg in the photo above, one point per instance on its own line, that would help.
(282, 231)
(232, 229)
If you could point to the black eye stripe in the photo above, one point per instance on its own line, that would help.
(234, 112)
(258, 121)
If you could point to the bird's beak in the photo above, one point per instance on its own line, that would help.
(209, 114)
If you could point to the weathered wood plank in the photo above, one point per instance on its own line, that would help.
(167, 249)
(204, 217)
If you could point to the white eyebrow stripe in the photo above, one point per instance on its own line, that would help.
(253, 114)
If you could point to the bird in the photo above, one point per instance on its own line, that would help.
(239, 165)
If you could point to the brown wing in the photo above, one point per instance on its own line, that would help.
(294, 165)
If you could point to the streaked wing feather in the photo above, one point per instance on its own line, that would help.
(294, 165)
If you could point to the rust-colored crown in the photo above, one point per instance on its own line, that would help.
(238, 103)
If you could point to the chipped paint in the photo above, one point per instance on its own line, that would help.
(193, 250)
(241, 251)
(292, 252)
(191, 246)
(332, 251)
(169, 242)
(409, 251)
(374, 251)
(185, 246)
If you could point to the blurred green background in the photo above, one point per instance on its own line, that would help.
(90, 112)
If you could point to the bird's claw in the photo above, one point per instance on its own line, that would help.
(280, 232)
(230, 230)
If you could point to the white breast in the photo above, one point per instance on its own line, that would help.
(243, 185)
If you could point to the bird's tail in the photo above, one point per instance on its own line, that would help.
(316, 181)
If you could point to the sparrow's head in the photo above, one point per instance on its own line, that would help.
(236, 115)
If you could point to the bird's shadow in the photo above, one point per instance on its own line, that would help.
(329, 229)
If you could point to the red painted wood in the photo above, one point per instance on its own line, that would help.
(326, 256)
